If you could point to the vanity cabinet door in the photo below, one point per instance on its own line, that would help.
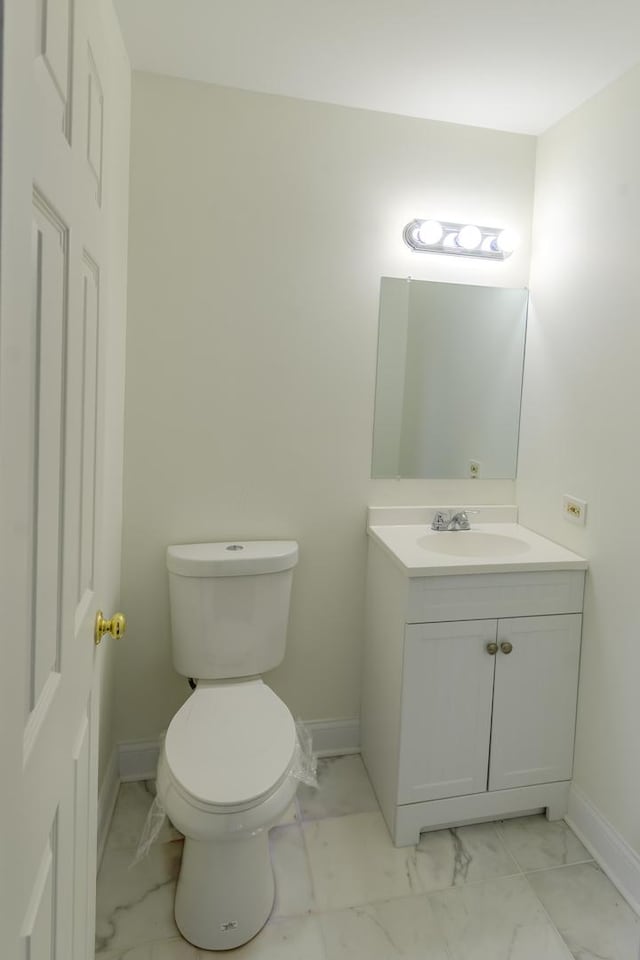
(446, 709)
(534, 701)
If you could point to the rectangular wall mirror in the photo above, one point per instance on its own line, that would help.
(449, 380)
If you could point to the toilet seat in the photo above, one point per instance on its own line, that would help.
(230, 745)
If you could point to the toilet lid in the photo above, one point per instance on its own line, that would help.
(230, 744)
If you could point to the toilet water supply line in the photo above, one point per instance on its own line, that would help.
(303, 768)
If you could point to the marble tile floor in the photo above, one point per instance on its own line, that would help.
(521, 889)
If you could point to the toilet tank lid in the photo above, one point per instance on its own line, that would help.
(232, 558)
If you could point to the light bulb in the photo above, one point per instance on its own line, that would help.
(429, 232)
(451, 240)
(507, 241)
(469, 237)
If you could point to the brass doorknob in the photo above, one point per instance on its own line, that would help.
(506, 647)
(116, 626)
(492, 648)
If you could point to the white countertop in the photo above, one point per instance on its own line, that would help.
(410, 547)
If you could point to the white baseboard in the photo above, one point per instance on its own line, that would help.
(138, 759)
(618, 860)
(107, 797)
(334, 738)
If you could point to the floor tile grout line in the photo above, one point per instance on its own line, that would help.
(570, 955)
(520, 872)
(503, 841)
(559, 866)
(420, 895)
(525, 870)
(498, 827)
(323, 938)
(307, 860)
(118, 952)
(414, 895)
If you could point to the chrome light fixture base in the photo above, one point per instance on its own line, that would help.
(459, 239)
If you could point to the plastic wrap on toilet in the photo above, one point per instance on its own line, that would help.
(305, 762)
(303, 769)
(155, 821)
(152, 827)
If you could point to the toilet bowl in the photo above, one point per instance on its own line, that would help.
(226, 773)
(224, 779)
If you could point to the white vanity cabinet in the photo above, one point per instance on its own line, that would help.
(469, 693)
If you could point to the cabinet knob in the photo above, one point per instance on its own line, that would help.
(492, 649)
(506, 647)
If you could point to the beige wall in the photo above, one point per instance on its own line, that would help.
(580, 419)
(260, 227)
(116, 192)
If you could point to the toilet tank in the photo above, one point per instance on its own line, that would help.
(230, 606)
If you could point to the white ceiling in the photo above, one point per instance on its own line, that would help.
(515, 65)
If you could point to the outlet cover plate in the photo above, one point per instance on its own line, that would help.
(574, 509)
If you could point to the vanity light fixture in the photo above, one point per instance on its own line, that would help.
(462, 239)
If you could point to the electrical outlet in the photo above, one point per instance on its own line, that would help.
(474, 469)
(574, 509)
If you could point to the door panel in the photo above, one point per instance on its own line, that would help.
(534, 703)
(39, 923)
(95, 124)
(53, 59)
(89, 338)
(83, 862)
(446, 710)
(48, 340)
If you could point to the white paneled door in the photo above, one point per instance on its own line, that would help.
(53, 391)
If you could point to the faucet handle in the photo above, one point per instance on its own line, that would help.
(441, 519)
(460, 521)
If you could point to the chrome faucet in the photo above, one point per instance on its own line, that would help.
(443, 520)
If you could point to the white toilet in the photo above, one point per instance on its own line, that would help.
(225, 771)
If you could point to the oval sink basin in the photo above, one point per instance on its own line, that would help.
(469, 543)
